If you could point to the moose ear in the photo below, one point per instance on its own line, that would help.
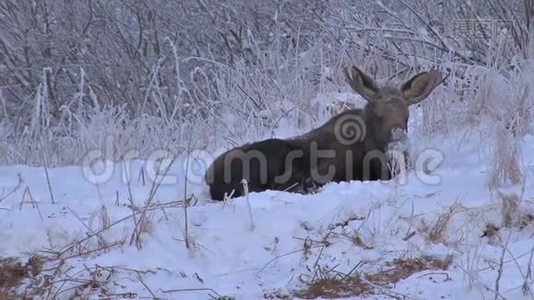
(420, 86)
(362, 84)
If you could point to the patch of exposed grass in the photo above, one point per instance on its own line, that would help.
(402, 268)
(13, 272)
(437, 231)
(358, 285)
(336, 287)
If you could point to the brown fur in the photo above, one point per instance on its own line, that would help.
(330, 152)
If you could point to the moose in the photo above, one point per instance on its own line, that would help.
(352, 145)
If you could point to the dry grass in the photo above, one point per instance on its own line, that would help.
(13, 273)
(336, 287)
(509, 204)
(511, 116)
(346, 285)
(491, 232)
(437, 231)
(526, 220)
(50, 275)
(401, 268)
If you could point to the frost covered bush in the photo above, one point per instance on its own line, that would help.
(153, 75)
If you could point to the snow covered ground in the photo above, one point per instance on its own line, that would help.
(92, 245)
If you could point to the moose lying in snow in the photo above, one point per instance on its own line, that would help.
(350, 146)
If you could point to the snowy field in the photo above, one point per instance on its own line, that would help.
(111, 111)
(423, 236)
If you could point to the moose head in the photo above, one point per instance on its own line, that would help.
(387, 110)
